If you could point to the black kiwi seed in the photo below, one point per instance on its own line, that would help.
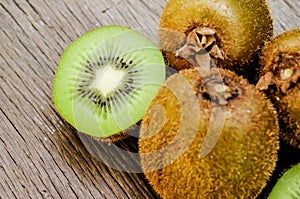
(103, 62)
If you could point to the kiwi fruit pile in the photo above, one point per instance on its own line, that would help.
(105, 80)
(288, 186)
(203, 130)
(280, 80)
(232, 31)
(233, 34)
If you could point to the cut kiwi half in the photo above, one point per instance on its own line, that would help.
(105, 80)
(279, 78)
(288, 186)
(242, 160)
(231, 31)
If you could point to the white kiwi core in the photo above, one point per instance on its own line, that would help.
(108, 79)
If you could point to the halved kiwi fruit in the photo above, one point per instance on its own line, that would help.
(244, 156)
(231, 31)
(288, 186)
(105, 80)
(280, 80)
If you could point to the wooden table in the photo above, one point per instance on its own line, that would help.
(41, 156)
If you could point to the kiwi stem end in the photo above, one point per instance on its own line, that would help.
(200, 46)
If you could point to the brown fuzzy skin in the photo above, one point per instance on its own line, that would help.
(122, 135)
(241, 161)
(113, 138)
(289, 116)
(242, 27)
(287, 42)
(283, 53)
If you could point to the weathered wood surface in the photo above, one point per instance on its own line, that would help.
(41, 156)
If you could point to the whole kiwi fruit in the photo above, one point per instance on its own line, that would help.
(105, 80)
(279, 79)
(288, 186)
(231, 31)
(175, 128)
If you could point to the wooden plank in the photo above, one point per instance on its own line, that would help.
(41, 155)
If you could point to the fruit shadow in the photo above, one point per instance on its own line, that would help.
(120, 155)
(122, 159)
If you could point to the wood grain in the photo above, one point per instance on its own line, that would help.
(41, 155)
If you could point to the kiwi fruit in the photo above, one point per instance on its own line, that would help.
(175, 127)
(288, 186)
(231, 31)
(105, 80)
(279, 78)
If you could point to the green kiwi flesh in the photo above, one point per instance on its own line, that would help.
(105, 80)
(288, 186)
(280, 79)
(234, 30)
(242, 160)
